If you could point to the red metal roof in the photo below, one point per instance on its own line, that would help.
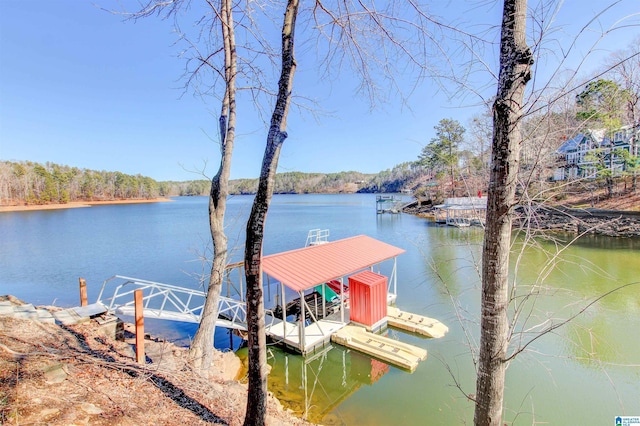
(307, 267)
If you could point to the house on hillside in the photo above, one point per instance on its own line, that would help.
(577, 158)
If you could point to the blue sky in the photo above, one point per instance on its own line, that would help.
(86, 88)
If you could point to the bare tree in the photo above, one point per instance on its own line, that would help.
(509, 111)
(479, 142)
(515, 71)
(201, 349)
(257, 373)
(340, 22)
(215, 67)
(625, 69)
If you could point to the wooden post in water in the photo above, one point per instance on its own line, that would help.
(83, 292)
(139, 315)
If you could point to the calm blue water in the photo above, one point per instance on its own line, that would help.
(584, 373)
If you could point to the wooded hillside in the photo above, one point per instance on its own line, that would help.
(33, 183)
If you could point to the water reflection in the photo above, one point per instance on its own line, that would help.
(315, 385)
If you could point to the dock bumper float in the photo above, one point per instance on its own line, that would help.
(414, 323)
(389, 350)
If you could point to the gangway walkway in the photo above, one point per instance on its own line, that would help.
(168, 302)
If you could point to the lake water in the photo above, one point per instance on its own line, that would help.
(586, 372)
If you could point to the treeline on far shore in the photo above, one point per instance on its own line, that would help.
(27, 182)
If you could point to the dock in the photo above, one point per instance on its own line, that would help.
(462, 211)
(388, 204)
(388, 350)
(298, 337)
(306, 313)
(415, 323)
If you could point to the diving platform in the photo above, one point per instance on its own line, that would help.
(415, 323)
(388, 350)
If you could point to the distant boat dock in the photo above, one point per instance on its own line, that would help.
(462, 211)
(388, 204)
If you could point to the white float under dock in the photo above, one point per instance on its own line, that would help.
(415, 323)
(313, 336)
(389, 350)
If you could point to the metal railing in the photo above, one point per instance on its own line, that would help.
(169, 302)
(316, 237)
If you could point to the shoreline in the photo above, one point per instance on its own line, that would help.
(62, 365)
(79, 204)
(610, 223)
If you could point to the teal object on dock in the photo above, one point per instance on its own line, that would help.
(326, 292)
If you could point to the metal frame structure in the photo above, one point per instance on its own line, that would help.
(317, 236)
(170, 302)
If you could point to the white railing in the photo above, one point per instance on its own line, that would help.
(169, 302)
(317, 236)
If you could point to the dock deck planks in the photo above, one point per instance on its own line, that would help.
(415, 323)
(389, 350)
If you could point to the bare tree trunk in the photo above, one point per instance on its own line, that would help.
(202, 347)
(453, 179)
(515, 72)
(257, 374)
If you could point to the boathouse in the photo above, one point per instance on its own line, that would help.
(388, 204)
(316, 311)
(462, 211)
(312, 305)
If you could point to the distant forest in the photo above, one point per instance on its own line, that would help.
(33, 183)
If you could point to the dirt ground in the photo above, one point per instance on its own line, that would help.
(75, 375)
(77, 204)
(628, 201)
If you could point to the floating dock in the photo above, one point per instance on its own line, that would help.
(415, 323)
(389, 350)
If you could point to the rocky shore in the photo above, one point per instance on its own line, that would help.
(611, 223)
(62, 374)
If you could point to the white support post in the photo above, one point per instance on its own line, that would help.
(342, 300)
(286, 369)
(284, 311)
(395, 277)
(304, 385)
(301, 323)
